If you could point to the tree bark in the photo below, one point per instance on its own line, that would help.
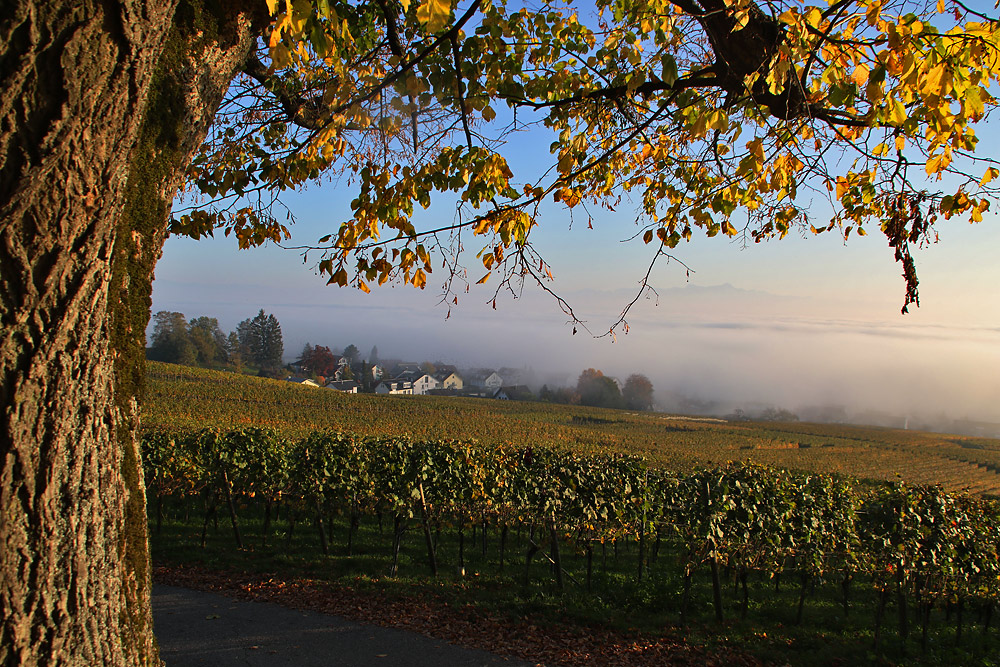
(87, 174)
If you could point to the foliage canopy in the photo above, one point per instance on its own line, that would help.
(740, 119)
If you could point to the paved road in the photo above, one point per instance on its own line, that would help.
(196, 629)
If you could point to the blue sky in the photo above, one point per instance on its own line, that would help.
(794, 322)
(790, 322)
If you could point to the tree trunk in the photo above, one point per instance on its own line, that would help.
(86, 178)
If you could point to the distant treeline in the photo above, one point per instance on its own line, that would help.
(257, 342)
(596, 389)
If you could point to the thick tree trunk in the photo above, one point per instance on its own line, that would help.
(86, 178)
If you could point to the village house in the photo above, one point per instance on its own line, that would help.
(449, 379)
(347, 386)
(484, 379)
(420, 381)
(394, 386)
(517, 392)
(404, 367)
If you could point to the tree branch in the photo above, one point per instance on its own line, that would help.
(303, 111)
(459, 87)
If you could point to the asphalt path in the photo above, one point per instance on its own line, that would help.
(195, 629)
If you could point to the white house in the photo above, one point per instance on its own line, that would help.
(420, 381)
(394, 387)
(425, 383)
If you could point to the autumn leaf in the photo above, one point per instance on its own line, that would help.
(860, 75)
(434, 14)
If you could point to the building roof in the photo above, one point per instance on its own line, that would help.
(342, 385)
(516, 392)
(299, 380)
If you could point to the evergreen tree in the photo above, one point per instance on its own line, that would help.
(261, 341)
(352, 353)
(307, 352)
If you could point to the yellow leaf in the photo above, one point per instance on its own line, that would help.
(842, 186)
(405, 4)
(813, 17)
(940, 7)
(974, 102)
(272, 7)
(897, 113)
(932, 82)
(742, 17)
(776, 77)
(718, 120)
(483, 279)
(933, 165)
(900, 142)
(860, 75)
(990, 174)
(434, 14)
(364, 287)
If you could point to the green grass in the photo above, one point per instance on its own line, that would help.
(616, 599)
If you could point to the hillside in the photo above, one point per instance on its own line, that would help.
(181, 397)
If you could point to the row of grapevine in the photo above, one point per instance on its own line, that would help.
(921, 545)
(180, 397)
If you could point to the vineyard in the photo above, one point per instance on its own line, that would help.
(181, 398)
(932, 554)
(778, 527)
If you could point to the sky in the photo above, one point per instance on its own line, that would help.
(790, 323)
